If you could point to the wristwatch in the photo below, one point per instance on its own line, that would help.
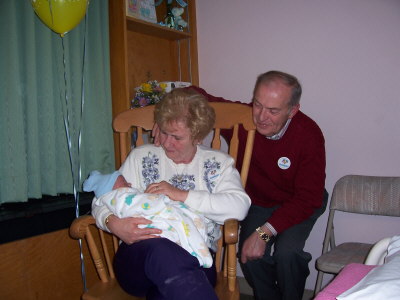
(263, 235)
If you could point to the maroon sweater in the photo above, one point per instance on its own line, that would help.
(297, 190)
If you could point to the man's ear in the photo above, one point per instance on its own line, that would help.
(294, 110)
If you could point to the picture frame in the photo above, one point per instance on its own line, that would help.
(141, 9)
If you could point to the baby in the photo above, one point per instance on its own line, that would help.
(177, 222)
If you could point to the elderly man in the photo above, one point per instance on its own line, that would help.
(286, 185)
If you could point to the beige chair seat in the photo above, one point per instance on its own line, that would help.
(333, 261)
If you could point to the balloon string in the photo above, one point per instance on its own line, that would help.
(66, 121)
(75, 181)
(83, 273)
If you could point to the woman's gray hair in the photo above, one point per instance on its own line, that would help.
(187, 106)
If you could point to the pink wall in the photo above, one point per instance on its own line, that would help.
(346, 53)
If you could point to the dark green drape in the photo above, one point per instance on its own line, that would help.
(44, 79)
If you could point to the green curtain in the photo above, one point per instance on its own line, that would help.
(44, 79)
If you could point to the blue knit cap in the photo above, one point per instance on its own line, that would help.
(100, 184)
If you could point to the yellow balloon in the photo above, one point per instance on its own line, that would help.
(60, 15)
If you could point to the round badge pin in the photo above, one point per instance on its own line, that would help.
(284, 163)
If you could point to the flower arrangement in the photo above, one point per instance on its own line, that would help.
(148, 93)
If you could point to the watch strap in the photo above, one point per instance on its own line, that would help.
(263, 235)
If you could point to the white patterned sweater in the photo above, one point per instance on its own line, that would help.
(214, 185)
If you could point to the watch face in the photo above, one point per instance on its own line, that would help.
(264, 236)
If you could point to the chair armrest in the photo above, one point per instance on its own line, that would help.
(78, 228)
(231, 228)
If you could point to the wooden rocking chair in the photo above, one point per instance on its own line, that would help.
(103, 245)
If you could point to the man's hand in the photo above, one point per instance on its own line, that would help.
(155, 133)
(167, 189)
(254, 247)
(128, 231)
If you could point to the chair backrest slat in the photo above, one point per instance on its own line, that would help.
(115, 243)
(244, 172)
(234, 144)
(216, 142)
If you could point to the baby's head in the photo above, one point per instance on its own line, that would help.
(120, 182)
(101, 184)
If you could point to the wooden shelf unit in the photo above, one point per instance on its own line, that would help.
(155, 30)
(142, 51)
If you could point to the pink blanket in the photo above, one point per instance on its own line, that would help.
(349, 276)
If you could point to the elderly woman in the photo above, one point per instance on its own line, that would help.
(203, 179)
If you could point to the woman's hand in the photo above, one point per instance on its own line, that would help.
(167, 189)
(128, 231)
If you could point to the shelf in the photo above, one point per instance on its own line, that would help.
(142, 51)
(156, 30)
